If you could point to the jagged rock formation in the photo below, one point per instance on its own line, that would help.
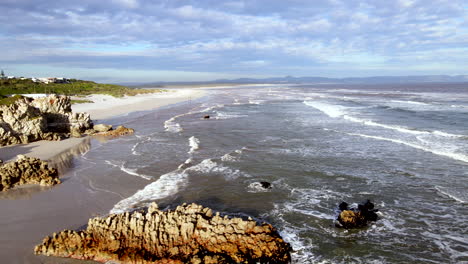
(356, 217)
(189, 234)
(27, 170)
(119, 131)
(48, 118)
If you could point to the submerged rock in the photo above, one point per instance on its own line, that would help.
(119, 131)
(356, 217)
(189, 234)
(27, 170)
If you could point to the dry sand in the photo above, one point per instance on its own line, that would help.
(106, 106)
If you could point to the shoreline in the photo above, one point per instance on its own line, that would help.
(103, 107)
(31, 213)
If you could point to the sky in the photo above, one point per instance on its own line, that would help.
(197, 40)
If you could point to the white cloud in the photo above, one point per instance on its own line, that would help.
(238, 34)
(127, 3)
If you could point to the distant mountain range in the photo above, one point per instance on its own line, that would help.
(324, 80)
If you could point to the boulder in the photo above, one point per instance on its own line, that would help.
(356, 217)
(26, 170)
(119, 131)
(102, 128)
(266, 185)
(206, 117)
(48, 118)
(189, 234)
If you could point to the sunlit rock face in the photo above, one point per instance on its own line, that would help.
(189, 234)
(27, 170)
(47, 118)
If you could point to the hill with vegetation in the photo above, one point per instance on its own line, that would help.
(72, 88)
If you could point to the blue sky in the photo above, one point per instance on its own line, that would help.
(174, 40)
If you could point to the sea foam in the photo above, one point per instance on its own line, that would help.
(336, 111)
(128, 170)
(194, 144)
(452, 155)
(170, 184)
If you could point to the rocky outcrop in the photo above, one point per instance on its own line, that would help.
(356, 217)
(119, 131)
(27, 170)
(48, 118)
(102, 127)
(189, 234)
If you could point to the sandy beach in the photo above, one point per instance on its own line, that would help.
(106, 106)
(103, 107)
(30, 213)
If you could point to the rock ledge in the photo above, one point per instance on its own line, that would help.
(188, 234)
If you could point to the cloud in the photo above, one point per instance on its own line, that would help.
(127, 3)
(237, 37)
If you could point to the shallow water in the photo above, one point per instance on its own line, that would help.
(405, 148)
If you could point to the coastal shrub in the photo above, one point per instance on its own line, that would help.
(74, 87)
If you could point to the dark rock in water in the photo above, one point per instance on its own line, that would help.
(27, 170)
(206, 117)
(265, 184)
(119, 131)
(343, 206)
(356, 217)
(189, 234)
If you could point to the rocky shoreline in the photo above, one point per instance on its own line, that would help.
(47, 118)
(189, 234)
(27, 170)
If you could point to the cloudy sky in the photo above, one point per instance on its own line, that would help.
(175, 40)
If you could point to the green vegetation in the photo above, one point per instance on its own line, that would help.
(79, 101)
(75, 87)
(9, 100)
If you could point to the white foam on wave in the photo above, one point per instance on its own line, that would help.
(128, 170)
(442, 191)
(194, 144)
(256, 101)
(336, 111)
(207, 109)
(256, 187)
(372, 123)
(171, 126)
(170, 184)
(232, 156)
(452, 155)
(224, 115)
(333, 111)
(400, 128)
(410, 102)
(134, 152)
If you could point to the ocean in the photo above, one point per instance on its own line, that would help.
(404, 147)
